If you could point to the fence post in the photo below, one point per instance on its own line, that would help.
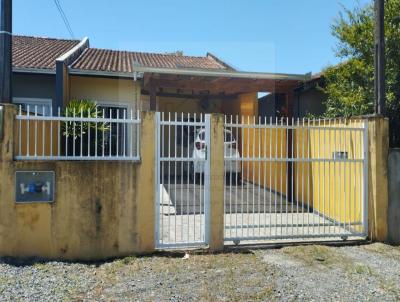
(378, 147)
(145, 211)
(217, 174)
(7, 140)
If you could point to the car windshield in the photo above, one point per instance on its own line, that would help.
(228, 137)
(202, 135)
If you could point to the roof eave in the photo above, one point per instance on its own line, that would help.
(34, 70)
(77, 49)
(101, 73)
(224, 73)
(139, 71)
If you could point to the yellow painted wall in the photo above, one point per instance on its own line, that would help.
(85, 219)
(245, 104)
(270, 143)
(302, 176)
(334, 189)
(217, 207)
(108, 90)
(248, 104)
(101, 209)
(378, 196)
(242, 105)
(47, 139)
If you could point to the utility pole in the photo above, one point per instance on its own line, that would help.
(380, 94)
(5, 50)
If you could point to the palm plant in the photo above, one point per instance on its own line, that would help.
(78, 132)
(81, 108)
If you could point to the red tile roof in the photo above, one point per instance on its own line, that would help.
(38, 53)
(41, 53)
(94, 59)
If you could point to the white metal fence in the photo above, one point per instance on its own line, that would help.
(101, 134)
(295, 179)
(182, 181)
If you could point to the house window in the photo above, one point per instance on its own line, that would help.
(42, 106)
(116, 140)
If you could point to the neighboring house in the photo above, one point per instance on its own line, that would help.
(308, 101)
(49, 72)
(34, 69)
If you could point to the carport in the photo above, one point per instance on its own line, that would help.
(215, 91)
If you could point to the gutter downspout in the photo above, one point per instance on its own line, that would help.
(62, 73)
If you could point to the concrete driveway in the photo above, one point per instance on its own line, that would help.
(242, 198)
(251, 213)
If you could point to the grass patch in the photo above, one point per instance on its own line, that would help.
(315, 254)
(319, 255)
(41, 266)
(391, 288)
(383, 249)
(235, 277)
(360, 268)
(4, 280)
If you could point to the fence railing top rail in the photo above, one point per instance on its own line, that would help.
(47, 113)
(293, 123)
(90, 133)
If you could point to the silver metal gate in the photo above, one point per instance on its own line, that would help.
(182, 182)
(295, 179)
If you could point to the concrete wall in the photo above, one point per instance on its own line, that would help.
(394, 196)
(106, 209)
(378, 195)
(101, 209)
(333, 189)
(217, 208)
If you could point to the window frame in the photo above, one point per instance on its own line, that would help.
(32, 102)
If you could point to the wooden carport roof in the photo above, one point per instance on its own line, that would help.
(218, 81)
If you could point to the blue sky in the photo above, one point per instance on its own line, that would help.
(291, 36)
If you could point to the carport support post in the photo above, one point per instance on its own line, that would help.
(217, 175)
(378, 195)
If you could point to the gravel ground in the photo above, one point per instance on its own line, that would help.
(311, 273)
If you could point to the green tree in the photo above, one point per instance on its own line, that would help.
(350, 84)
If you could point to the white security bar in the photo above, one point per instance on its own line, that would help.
(95, 134)
(294, 178)
(182, 180)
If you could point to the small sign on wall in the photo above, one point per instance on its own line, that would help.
(340, 155)
(34, 186)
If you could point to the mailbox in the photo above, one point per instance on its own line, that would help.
(34, 186)
(340, 155)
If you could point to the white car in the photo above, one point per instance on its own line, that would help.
(231, 154)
